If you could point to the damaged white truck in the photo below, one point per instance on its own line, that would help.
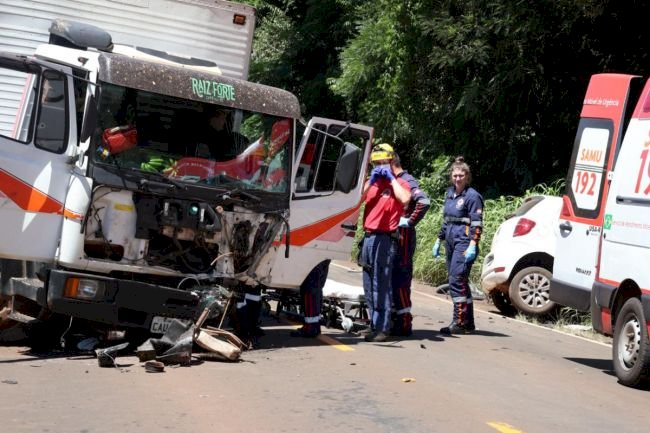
(137, 184)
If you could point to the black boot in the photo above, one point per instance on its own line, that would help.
(456, 328)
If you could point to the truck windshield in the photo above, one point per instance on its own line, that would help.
(190, 141)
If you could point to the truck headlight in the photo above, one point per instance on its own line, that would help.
(82, 288)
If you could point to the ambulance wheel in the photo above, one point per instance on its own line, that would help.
(529, 291)
(502, 302)
(631, 349)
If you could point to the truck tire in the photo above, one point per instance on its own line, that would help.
(631, 349)
(529, 291)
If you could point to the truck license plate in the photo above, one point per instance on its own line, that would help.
(160, 324)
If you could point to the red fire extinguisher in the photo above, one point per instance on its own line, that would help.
(117, 140)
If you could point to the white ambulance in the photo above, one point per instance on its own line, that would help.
(604, 246)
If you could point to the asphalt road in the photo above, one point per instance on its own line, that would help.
(507, 377)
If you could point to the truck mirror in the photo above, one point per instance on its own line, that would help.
(347, 167)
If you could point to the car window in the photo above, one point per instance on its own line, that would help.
(527, 205)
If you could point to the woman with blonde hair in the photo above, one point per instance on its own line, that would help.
(461, 229)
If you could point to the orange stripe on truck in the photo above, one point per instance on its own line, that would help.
(308, 233)
(30, 199)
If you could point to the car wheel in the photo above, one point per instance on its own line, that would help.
(529, 291)
(502, 302)
(631, 349)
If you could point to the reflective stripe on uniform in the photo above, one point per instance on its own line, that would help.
(459, 299)
(241, 304)
(463, 220)
(251, 297)
(476, 224)
(403, 310)
(312, 319)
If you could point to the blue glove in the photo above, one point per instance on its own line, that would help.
(403, 222)
(435, 251)
(470, 253)
(375, 174)
(388, 173)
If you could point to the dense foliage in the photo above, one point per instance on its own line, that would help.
(499, 81)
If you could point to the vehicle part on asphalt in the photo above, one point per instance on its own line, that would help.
(106, 356)
(154, 367)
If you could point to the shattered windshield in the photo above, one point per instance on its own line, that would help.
(191, 141)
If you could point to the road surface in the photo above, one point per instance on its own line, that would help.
(507, 377)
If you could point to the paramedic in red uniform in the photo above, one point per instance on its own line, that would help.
(461, 229)
(403, 269)
(385, 198)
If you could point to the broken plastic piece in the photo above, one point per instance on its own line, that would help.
(154, 367)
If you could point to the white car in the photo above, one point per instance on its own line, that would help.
(516, 273)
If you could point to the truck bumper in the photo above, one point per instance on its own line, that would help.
(117, 302)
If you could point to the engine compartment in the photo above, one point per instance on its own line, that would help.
(184, 235)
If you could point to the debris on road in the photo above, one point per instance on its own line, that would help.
(154, 367)
(106, 356)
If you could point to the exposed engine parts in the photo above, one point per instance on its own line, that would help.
(187, 236)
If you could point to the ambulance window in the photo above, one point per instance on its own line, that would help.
(587, 173)
(17, 95)
(51, 123)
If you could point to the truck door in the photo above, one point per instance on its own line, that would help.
(328, 175)
(598, 139)
(37, 137)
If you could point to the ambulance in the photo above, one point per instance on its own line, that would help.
(604, 243)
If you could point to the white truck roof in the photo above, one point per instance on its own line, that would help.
(203, 29)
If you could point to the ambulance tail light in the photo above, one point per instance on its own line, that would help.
(566, 208)
(523, 227)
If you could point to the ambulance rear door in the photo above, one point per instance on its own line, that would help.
(602, 123)
(330, 168)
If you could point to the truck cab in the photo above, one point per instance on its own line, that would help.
(139, 184)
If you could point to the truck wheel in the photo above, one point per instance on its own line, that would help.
(631, 349)
(529, 291)
(502, 302)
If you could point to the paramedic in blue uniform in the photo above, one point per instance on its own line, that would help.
(311, 295)
(385, 197)
(403, 268)
(461, 229)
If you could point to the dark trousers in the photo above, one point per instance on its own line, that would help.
(402, 277)
(459, 289)
(311, 294)
(377, 257)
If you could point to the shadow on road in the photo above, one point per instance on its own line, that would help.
(600, 364)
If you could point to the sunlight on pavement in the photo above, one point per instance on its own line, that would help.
(503, 427)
